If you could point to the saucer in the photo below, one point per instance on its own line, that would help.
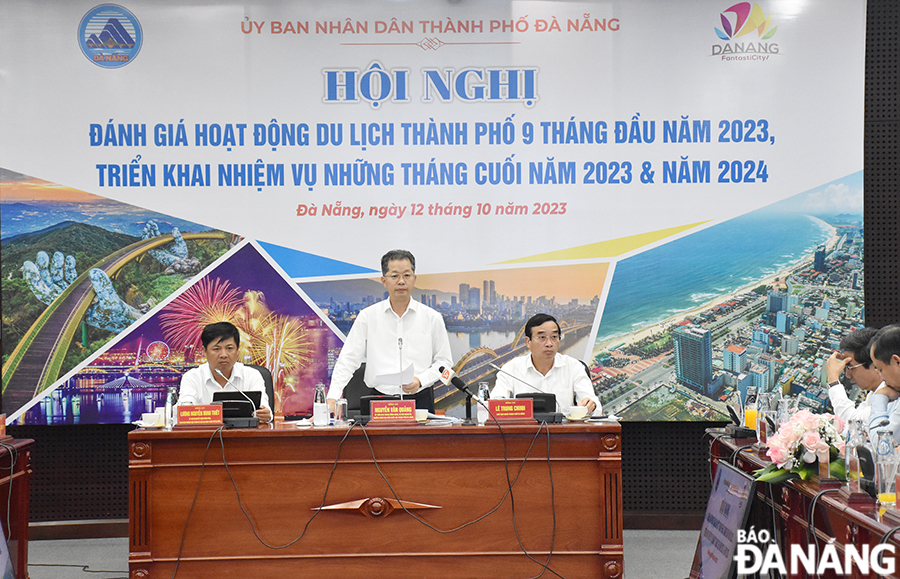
(582, 419)
(140, 424)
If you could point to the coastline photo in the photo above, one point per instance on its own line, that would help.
(779, 284)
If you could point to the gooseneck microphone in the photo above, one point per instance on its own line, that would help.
(448, 376)
(228, 381)
(535, 388)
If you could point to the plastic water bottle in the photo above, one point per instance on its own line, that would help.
(320, 407)
(482, 413)
(171, 399)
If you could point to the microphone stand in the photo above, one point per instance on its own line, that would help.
(468, 421)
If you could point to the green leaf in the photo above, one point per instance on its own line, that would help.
(838, 470)
(773, 475)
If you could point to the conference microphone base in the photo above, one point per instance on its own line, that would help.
(244, 422)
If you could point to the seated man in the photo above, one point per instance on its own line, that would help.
(222, 371)
(544, 369)
(394, 334)
(885, 352)
(855, 361)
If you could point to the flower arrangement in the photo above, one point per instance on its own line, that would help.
(796, 447)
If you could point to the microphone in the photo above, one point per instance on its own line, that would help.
(400, 351)
(244, 394)
(448, 376)
(501, 370)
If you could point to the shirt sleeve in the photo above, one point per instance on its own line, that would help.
(503, 386)
(844, 408)
(191, 390)
(584, 388)
(879, 411)
(352, 355)
(253, 380)
(441, 356)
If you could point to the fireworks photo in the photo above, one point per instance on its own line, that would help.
(279, 330)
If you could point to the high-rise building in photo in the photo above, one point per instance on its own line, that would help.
(693, 357)
(734, 358)
(819, 261)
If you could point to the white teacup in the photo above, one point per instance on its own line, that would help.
(577, 412)
(421, 414)
(152, 419)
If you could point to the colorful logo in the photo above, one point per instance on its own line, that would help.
(741, 19)
(110, 36)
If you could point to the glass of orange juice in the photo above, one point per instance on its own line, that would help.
(750, 417)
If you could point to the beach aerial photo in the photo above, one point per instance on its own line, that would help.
(760, 300)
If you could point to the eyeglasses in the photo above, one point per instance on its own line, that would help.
(544, 339)
(397, 276)
(853, 366)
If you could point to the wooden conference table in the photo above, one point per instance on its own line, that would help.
(787, 507)
(15, 499)
(447, 476)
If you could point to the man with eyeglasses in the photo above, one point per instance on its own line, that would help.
(394, 334)
(853, 360)
(885, 352)
(544, 369)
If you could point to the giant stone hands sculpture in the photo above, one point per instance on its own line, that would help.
(108, 311)
(175, 257)
(49, 277)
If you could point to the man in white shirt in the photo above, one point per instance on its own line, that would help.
(394, 334)
(885, 352)
(544, 369)
(853, 360)
(221, 342)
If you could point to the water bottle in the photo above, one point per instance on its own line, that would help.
(482, 413)
(320, 407)
(171, 400)
(855, 438)
(885, 467)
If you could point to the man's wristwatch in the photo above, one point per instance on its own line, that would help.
(835, 383)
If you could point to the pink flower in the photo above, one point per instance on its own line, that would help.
(778, 455)
(811, 440)
(807, 420)
(839, 423)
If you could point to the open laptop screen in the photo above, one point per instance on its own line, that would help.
(236, 404)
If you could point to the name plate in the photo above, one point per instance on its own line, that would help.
(512, 409)
(393, 410)
(200, 415)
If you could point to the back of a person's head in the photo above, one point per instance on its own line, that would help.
(220, 331)
(858, 343)
(886, 343)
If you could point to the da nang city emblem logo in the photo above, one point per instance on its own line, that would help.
(110, 36)
(739, 23)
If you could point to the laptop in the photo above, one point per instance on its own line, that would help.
(544, 406)
(236, 404)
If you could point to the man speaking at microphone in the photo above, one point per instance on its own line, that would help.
(544, 369)
(392, 335)
(221, 342)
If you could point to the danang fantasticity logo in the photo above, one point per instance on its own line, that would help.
(756, 553)
(739, 23)
(110, 36)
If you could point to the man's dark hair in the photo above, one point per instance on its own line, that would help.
(397, 255)
(539, 320)
(220, 331)
(857, 343)
(886, 343)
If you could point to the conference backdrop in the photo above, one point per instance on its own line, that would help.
(679, 183)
